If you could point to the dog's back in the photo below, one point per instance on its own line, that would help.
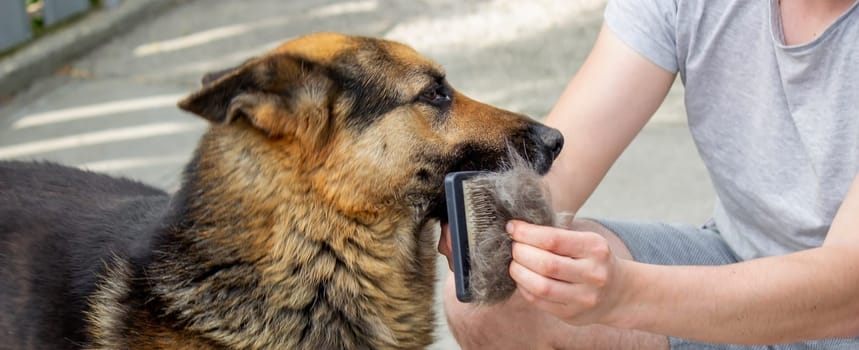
(58, 226)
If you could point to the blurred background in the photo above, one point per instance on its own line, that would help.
(94, 84)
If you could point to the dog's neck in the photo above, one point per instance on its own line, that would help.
(251, 237)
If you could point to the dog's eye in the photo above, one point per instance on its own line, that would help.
(436, 95)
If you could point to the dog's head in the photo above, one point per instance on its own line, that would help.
(370, 124)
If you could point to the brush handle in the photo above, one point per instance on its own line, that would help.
(456, 209)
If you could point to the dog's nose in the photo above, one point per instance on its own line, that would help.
(552, 139)
(546, 144)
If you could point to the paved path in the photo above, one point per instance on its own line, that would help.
(113, 110)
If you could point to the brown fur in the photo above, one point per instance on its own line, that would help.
(307, 217)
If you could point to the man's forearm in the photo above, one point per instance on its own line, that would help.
(812, 294)
(605, 105)
(806, 295)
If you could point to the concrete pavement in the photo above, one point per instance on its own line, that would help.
(113, 110)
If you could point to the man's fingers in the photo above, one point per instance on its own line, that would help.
(563, 242)
(444, 247)
(551, 265)
(541, 287)
(558, 298)
(545, 305)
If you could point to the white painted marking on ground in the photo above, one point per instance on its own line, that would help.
(110, 165)
(96, 110)
(98, 137)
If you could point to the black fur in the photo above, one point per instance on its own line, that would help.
(58, 227)
(370, 98)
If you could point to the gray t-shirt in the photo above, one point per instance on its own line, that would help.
(777, 126)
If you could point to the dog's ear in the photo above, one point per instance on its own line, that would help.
(211, 77)
(269, 92)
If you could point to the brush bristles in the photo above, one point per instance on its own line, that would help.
(482, 213)
(492, 200)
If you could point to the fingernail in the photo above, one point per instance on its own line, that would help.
(509, 227)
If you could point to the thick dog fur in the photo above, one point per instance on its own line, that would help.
(306, 219)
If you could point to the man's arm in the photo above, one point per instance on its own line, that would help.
(806, 295)
(811, 294)
(613, 95)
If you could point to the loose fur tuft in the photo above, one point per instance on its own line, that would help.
(517, 192)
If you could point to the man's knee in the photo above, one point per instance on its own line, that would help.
(617, 246)
(510, 325)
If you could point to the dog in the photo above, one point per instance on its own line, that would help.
(306, 219)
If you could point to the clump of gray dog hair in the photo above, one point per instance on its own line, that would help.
(517, 192)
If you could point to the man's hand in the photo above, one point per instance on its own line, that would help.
(570, 274)
(444, 245)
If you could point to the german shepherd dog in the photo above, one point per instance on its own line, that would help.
(307, 218)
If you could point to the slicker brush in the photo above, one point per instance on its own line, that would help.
(479, 206)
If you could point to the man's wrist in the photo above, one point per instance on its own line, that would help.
(627, 311)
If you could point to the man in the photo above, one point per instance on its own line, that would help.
(772, 96)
